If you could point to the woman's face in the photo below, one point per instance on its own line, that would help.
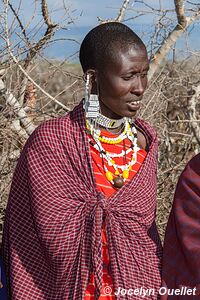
(121, 84)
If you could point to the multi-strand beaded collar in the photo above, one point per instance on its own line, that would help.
(109, 123)
(121, 171)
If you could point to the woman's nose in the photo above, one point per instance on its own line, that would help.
(138, 87)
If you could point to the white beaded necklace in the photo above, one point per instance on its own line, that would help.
(109, 123)
(96, 133)
(131, 134)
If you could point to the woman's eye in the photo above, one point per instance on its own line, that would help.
(132, 76)
(128, 77)
(143, 75)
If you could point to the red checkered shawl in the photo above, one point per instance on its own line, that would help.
(181, 258)
(52, 234)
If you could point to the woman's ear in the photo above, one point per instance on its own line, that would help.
(92, 75)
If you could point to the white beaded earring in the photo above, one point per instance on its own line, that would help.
(91, 104)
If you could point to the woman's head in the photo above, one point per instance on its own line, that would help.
(103, 42)
(117, 60)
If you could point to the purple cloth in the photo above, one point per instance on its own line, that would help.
(52, 234)
(181, 258)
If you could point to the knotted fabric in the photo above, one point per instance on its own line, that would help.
(52, 234)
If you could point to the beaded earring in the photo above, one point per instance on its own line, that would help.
(91, 104)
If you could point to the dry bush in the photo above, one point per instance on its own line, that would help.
(60, 80)
(167, 108)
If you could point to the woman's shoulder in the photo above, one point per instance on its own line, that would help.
(192, 169)
(144, 125)
(49, 134)
(51, 128)
(57, 127)
(188, 186)
(56, 131)
(194, 163)
(53, 125)
(146, 133)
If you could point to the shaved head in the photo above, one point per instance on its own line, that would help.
(102, 44)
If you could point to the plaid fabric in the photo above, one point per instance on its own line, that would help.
(52, 234)
(181, 258)
(108, 189)
(106, 279)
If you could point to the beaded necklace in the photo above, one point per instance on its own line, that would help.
(121, 173)
(109, 123)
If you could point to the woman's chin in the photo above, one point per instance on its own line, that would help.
(131, 114)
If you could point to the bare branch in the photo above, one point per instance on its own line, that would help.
(19, 21)
(19, 111)
(37, 85)
(47, 36)
(193, 114)
(180, 12)
(21, 68)
(45, 14)
(39, 45)
(168, 43)
(122, 11)
(120, 16)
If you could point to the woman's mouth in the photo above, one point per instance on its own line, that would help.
(133, 105)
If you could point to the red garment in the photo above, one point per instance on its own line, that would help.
(103, 184)
(52, 233)
(107, 291)
(181, 260)
(108, 189)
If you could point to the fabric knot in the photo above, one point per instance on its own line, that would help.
(97, 221)
(97, 204)
(102, 205)
(101, 201)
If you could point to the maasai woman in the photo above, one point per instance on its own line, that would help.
(181, 261)
(80, 221)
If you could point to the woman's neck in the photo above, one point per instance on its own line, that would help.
(107, 112)
(117, 130)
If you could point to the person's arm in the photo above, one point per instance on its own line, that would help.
(181, 257)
